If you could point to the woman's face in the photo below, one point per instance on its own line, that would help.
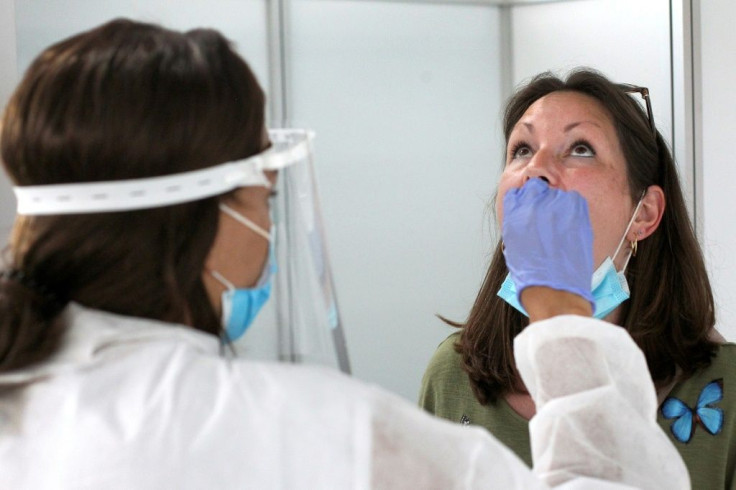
(239, 253)
(569, 139)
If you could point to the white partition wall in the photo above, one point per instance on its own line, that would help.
(405, 99)
(717, 46)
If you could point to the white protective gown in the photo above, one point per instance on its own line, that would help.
(135, 404)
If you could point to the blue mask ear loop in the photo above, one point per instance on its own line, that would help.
(628, 227)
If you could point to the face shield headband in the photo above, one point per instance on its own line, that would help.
(153, 192)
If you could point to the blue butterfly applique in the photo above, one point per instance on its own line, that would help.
(686, 418)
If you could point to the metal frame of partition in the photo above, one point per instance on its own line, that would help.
(278, 29)
(686, 104)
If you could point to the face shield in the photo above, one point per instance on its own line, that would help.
(301, 322)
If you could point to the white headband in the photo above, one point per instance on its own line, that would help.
(151, 192)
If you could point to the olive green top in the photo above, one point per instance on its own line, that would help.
(710, 459)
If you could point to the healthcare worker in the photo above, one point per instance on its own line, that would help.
(645, 272)
(144, 243)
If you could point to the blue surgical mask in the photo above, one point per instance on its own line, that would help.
(609, 287)
(240, 306)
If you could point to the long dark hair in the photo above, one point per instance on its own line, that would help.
(125, 100)
(670, 313)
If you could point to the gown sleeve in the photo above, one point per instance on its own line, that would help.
(596, 407)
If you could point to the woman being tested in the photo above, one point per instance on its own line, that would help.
(589, 136)
(143, 245)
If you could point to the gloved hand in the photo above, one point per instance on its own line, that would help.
(548, 239)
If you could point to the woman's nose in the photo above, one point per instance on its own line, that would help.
(542, 166)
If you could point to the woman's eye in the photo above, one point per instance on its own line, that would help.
(521, 150)
(582, 150)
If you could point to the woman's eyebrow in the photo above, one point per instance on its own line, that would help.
(530, 126)
(572, 126)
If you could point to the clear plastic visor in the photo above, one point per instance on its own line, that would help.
(301, 323)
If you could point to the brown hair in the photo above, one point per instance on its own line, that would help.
(125, 100)
(670, 313)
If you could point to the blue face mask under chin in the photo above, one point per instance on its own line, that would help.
(609, 287)
(240, 306)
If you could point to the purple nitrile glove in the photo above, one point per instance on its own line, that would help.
(548, 240)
